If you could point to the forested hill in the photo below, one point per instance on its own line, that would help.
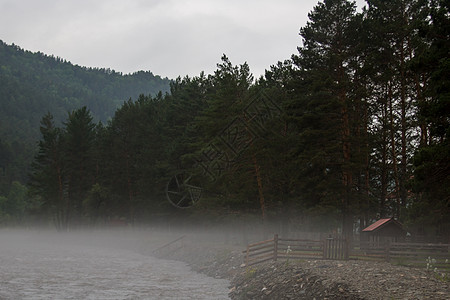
(32, 84)
(353, 128)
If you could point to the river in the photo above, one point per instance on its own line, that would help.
(36, 265)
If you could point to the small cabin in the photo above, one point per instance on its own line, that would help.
(383, 231)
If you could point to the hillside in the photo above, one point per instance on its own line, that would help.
(32, 84)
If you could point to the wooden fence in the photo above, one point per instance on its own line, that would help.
(283, 248)
(261, 252)
(433, 257)
(335, 248)
(413, 254)
(297, 248)
(369, 250)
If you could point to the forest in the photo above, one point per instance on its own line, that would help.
(32, 84)
(351, 128)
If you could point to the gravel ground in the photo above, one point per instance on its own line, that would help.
(312, 279)
(321, 279)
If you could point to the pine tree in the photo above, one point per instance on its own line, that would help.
(324, 109)
(430, 210)
(79, 158)
(48, 179)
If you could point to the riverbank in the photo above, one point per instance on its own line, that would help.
(309, 279)
(101, 265)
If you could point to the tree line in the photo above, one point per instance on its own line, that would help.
(352, 128)
(32, 84)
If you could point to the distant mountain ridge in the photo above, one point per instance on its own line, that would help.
(32, 84)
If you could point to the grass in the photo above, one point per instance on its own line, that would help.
(250, 272)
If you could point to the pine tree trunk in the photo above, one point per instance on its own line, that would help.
(403, 132)
(384, 156)
(394, 153)
(347, 228)
(260, 188)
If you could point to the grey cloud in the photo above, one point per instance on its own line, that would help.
(168, 37)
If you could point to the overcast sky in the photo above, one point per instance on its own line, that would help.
(168, 37)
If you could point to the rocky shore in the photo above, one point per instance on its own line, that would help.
(311, 279)
(319, 279)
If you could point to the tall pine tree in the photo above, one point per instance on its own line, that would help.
(48, 179)
(324, 110)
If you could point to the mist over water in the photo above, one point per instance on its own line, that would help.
(94, 265)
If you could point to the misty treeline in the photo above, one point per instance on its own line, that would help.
(31, 84)
(352, 128)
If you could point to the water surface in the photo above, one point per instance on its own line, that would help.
(34, 265)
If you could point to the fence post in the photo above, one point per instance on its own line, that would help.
(247, 255)
(334, 246)
(275, 246)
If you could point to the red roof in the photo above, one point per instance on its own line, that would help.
(377, 224)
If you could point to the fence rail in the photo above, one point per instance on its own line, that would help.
(260, 252)
(414, 254)
(283, 248)
(298, 248)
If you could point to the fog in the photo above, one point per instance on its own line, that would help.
(99, 264)
(123, 262)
